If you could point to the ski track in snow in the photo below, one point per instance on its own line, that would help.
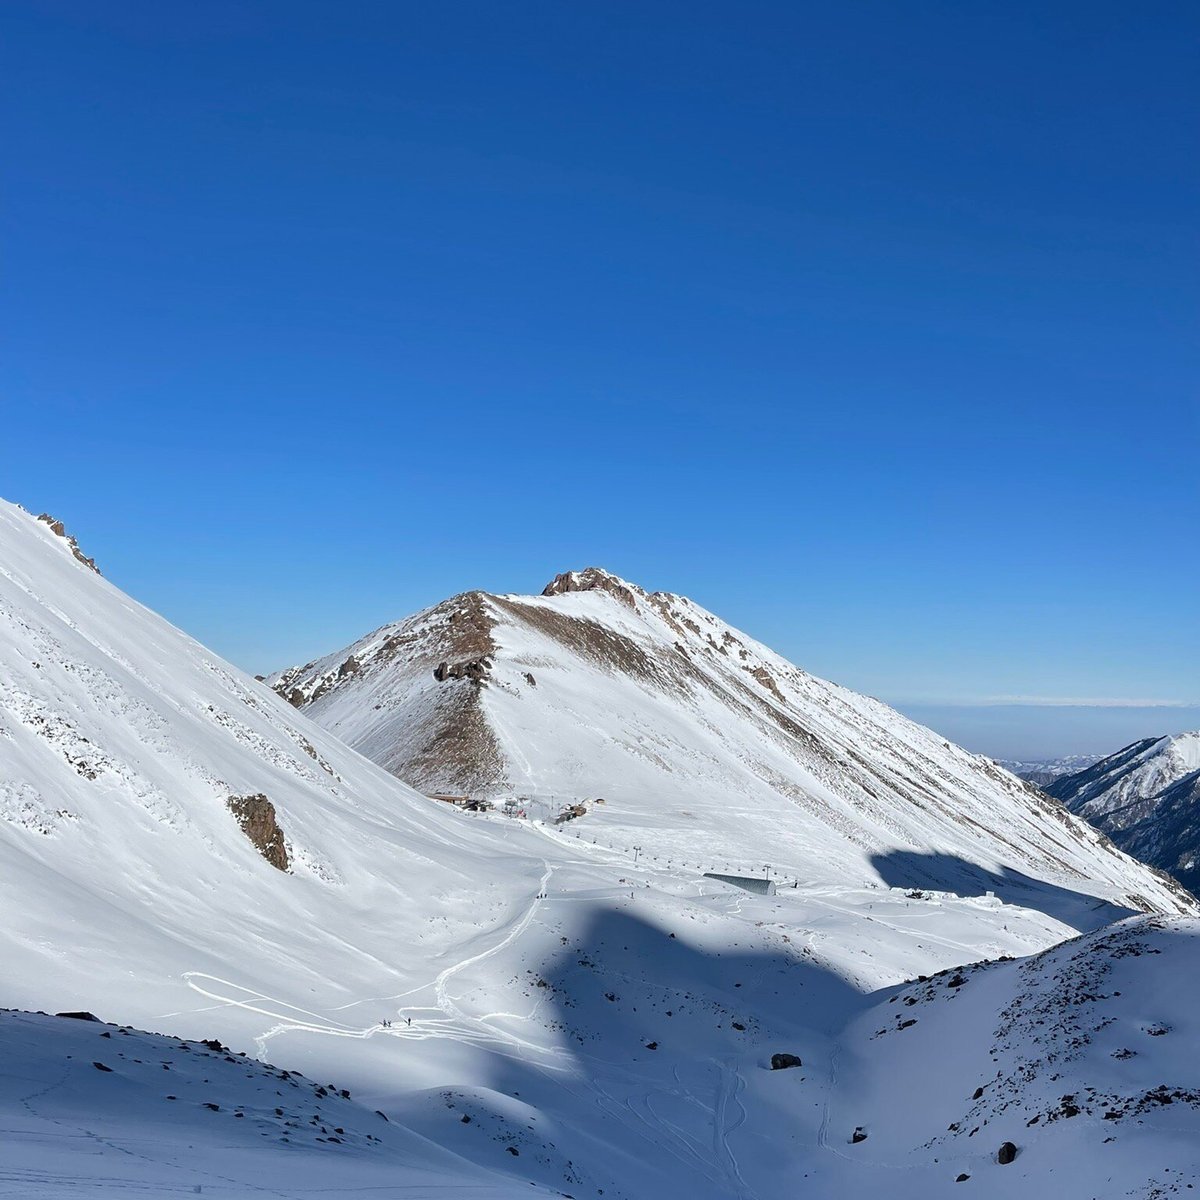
(459, 1025)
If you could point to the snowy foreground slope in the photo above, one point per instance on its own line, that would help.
(182, 852)
(88, 1107)
(705, 746)
(1146, 797)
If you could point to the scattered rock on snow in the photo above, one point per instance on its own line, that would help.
(256, 815)
(1006, 1154)
(780, 1062)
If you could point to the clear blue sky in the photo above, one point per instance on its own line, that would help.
(870, 326)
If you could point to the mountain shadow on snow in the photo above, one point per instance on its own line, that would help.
(947, 872)
(665, 1039)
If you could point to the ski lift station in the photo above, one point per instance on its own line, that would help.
(748, 883)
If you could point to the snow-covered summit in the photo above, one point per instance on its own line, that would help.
(1146, 797)
(700, 741)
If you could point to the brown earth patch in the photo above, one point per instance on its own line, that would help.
(590, 639)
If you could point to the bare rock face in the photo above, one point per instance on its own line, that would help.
(475, 669)
(593, 579)
(256, 815)
(60, 530)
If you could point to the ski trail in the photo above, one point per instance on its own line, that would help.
(453, 1021)
(729, 1088)
(445, 1001)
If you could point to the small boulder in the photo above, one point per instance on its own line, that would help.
(79, 1016)
(859, 1135)
(1006, 1154)
(962, 1178)
(781, 1062)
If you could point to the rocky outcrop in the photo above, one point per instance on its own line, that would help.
(256, 815)
(474, 669)
(60, 530)
(593, 579)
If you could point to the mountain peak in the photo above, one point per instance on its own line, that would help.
(594, 579)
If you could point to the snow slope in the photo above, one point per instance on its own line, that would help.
(1146, 797)
(705, 746)
(1081, 1057)
(603, 1025)
(92, 1108)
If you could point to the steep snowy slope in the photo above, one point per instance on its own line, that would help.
(1146, 797)
(704, 745)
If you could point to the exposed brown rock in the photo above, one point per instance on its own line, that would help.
(59, 529)
(589, 639)
(593, 579)
(475, 669)
(768, 681)
(256, 815)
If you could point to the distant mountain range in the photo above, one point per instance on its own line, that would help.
(1146, 797)
(1043, 771)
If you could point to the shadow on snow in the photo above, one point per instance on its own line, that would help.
(949, 873)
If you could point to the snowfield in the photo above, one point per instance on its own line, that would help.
(535, 1012)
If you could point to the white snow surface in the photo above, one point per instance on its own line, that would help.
(603, 1024)
(706, 747)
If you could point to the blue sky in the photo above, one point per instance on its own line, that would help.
(869, 326)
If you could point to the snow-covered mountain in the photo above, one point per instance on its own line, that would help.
(1045, 770)
(1146, 797)
(534, 1013)
(703, 745)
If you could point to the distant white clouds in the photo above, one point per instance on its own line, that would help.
(1085, 702)
(1047, 702)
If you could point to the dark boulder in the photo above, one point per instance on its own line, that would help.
(859, 1135)
(256, 815)
(79, 1016)
(780, 1062)
(1006, 1154)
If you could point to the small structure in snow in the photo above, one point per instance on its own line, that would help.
(748, 883)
